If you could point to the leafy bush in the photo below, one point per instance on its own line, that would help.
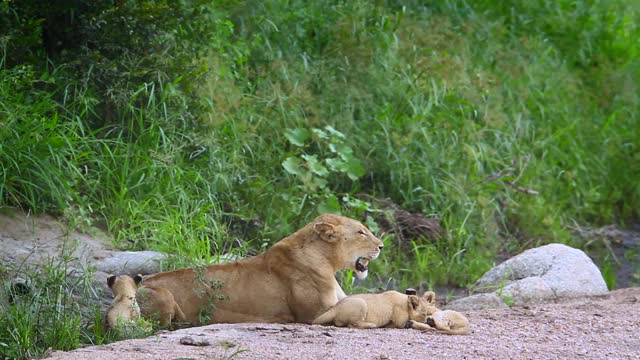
(316, 171)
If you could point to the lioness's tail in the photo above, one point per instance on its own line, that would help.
(326, 318)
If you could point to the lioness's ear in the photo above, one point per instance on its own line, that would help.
(137, 279)
(430, 297)
(414, 301)
(110, 280)
(325, 230)
(411, 291)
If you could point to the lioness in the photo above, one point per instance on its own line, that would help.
(293, 281)
(449, 322)
(124, 306)
(389, 309)
(158, 303)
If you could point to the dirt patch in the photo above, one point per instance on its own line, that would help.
(595, 328)
(31, 239)
(404, 225)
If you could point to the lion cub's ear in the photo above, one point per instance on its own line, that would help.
(411, 291)
(110, 280)
(414, 301)
(430, 297)
(326, 231)
(137, 279)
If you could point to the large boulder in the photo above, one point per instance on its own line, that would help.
(550, 272)
(566, 271)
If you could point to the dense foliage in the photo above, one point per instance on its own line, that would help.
(196, 127)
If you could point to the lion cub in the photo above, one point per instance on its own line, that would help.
(389, 309)
(449, 322)
(158, 303)
(124, 305)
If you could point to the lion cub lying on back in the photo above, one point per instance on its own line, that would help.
(449, 322)
(389, 309)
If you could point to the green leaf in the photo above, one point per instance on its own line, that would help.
(297, 136)
(335, 164)
(329, 205)
(315, 165)
(321, 134)
(330, 129)
(345, 152)
(293, 166)
(317, 183)
(372, 225)
(355, 169)
(356, 204)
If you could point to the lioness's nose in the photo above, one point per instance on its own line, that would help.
(380, 247)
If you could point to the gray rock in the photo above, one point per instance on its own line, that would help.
(528, 291)
(552, 271)
(477, 302)
(549, 272)
(128, 262)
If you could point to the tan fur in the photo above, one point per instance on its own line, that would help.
(124, 306)
(158, 304)
(389, 309)
(293, 281)
(449, 322)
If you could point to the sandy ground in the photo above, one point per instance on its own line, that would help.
(597, 328)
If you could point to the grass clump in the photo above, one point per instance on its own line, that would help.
(131, 329)
(51, 307)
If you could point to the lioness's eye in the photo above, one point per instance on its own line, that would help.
(361, 232)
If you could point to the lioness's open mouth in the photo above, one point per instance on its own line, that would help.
(361, 268)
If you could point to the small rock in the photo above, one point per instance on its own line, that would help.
(188, 340)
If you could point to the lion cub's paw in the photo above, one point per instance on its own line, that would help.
(409, 324)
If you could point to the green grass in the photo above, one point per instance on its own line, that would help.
(54, 306)
(507, 120)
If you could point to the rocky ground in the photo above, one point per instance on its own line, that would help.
(605, 327)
